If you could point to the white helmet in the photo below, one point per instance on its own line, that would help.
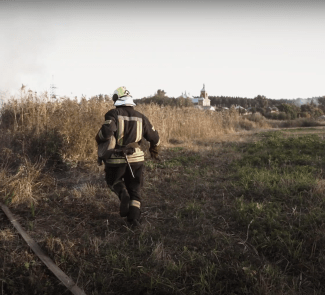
(121, 96)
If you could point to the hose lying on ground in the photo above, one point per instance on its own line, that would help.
(67, 281)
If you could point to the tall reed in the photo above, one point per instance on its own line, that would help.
(67, 128)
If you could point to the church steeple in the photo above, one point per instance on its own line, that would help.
(204, 94)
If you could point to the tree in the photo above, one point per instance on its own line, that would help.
(160, 93)
(321, 102)
(184, 102)
(311, 109)
(290, 109)
(261, 101)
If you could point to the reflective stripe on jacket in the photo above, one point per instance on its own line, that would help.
(128, 126)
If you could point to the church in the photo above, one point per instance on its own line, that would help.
(203, 100)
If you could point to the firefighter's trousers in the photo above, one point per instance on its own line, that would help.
(121, 182)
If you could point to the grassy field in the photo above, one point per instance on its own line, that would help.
(233, 210)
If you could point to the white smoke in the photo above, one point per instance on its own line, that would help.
(301, 101)
(24, 50)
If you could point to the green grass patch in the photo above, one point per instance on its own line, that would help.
(277, 202)
(276, 150)
(182, 160)
(304, 129)
(191, 210)
(277, 167)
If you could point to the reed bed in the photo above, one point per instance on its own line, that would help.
(37, 134)
(65, 129)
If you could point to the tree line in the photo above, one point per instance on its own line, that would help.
(287, 108)
(162, 99)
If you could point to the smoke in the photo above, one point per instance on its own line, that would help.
(24, 50)
(301, 101)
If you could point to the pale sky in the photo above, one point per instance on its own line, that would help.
(237, 48)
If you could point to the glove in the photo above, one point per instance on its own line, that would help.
(99, 161)
(154, 150)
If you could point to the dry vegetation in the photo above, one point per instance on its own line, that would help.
(67, 128)
(203, 219)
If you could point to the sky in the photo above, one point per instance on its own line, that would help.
(236, 48)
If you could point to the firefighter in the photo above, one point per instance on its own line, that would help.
(124, 167)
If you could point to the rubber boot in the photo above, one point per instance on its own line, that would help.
(124, 197)
(134, 214)
(124, 206)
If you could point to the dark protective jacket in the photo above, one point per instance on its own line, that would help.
(128, 126)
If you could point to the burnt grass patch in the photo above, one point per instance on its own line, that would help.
(226, 218)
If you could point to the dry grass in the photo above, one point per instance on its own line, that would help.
(319, 187)
(61, 247)
(65, 130)
(189, 123)
(27, 185)
(299, 122)
(254, 121)
(160, 255)
(190, 242)
(6, 235)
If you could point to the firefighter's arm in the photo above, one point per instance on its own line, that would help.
(154, 151)
(107, 129)
(105, 133)
(151, 135)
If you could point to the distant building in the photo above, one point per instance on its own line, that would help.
(186, 95)
(203, 100)
(241, 110)
(272, 110)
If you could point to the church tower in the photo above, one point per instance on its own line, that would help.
(204, 94)
(204, 99)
